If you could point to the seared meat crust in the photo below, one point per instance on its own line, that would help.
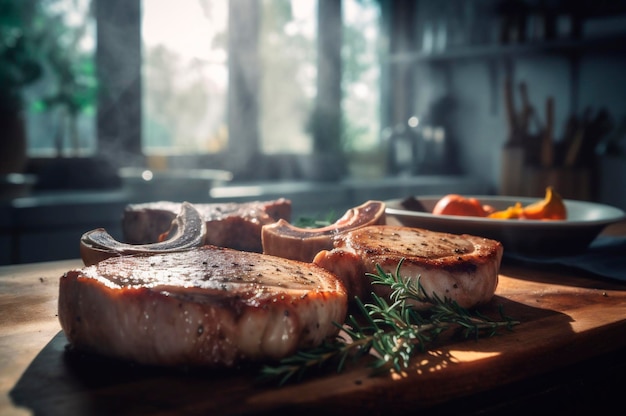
(459, 267)
(233, 225)
(209, 306)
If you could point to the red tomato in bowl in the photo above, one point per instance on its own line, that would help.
(454, 204)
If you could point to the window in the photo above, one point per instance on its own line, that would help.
(362, 75)
(185, 76)
(180, 87)
(288, 56)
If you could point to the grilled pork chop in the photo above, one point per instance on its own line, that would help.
(208, 306)
(286, 240)
(187, 230)
(234, 225)
(463, 268)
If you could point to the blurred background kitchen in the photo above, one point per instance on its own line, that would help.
(326, 102)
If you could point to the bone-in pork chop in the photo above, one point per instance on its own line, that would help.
(233, 225)
(463, 268)
(208, 306)
(287, 240)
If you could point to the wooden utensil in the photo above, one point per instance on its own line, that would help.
(547, 149)
(575, 146)
(513, 139)
(527, 109)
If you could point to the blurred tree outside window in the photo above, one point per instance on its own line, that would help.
(186, 75)
(288, 82)
(361, 74)
(61, 105)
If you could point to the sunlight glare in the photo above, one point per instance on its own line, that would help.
(183, 26)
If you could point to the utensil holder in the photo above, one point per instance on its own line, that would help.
(512, 171)
(570, 183)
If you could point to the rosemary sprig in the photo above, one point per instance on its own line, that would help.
(389, 332)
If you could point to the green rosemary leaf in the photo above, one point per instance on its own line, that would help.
(311, 222)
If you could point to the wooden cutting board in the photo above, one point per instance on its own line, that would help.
(566, 319)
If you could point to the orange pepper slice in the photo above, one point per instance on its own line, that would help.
(551, 207)
(513, 212)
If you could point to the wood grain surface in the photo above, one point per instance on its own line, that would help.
(566, 319)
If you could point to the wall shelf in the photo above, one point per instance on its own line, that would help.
(564, 47)
(502, 57)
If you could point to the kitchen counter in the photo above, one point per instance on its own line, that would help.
(566, 357)
(46, 226)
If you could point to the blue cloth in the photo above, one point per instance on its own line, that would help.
(606, 257)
